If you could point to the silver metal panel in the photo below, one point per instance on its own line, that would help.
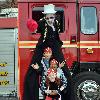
(7, 58)
(6, 48)
(8, 62)
(8, 69)
(7, 78)
(7, 36)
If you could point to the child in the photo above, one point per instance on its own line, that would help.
(44, 62)
(31, 84)
(54, 81)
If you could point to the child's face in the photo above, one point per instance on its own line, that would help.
(47, 55)
(52, 77)
(54, 66)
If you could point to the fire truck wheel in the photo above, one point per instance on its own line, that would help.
(86, 86)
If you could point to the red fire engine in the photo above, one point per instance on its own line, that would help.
(80, 24)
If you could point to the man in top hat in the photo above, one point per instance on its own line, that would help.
(49, 28)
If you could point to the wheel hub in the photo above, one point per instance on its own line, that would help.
(88, 90)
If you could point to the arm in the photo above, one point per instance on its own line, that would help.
(43, 84)
(61, 64)
(38, 68)
(44, 88)
(63, 80)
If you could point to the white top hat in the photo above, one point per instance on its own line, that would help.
(49, 9)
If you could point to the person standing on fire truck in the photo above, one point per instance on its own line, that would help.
(49, 28)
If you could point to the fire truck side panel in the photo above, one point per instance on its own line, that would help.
(8, 23)
(70, 50)
(88, 1)
(89, 34)
(99, 31)
(23, 16)
(65, 1)
(24, 35)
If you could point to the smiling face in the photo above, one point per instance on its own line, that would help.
(50, 18)
(47, 55)
(52, 77)
(51, 74)
(53, 64)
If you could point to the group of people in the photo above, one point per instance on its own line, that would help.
(48, 69)
(53, 80)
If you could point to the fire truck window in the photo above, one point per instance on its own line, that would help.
(37, 15)
(88, 20)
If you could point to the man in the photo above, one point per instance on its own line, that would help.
(49, 29)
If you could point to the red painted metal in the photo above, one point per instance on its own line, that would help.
(80, 1)
(8, 22)
(84, 56)
(89, 1)
(49, 1)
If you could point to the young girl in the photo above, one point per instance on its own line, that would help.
(54, 81)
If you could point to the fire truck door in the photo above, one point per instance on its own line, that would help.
(89, 33)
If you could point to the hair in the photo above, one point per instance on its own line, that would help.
(52, 59)
(57, 81)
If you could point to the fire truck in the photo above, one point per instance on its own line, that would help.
(79, 31)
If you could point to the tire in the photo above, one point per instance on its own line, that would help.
(86, 86)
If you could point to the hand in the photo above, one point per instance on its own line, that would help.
(53, 92)
(47, 91)
(62, 88)
(61, 64)
(35, 66)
